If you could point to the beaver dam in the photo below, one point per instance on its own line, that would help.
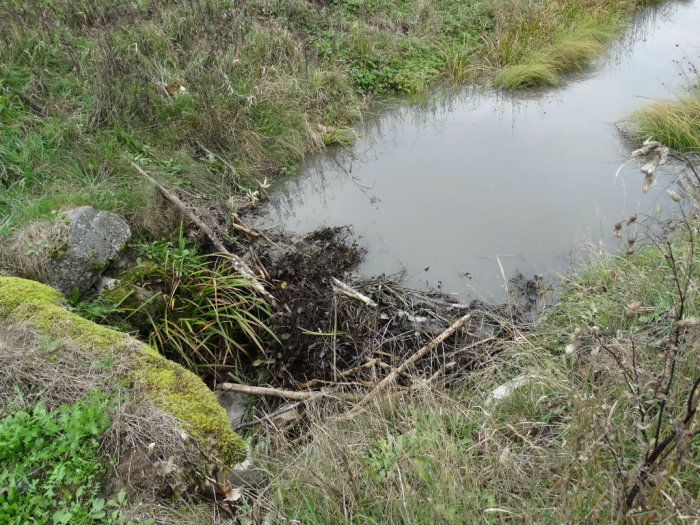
(462, 193)
(330, 331)
(459, 203)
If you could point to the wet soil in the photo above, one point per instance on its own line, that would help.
(326, 336)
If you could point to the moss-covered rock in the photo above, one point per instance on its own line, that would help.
(172, 387)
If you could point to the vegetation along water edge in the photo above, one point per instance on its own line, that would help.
(362, 401)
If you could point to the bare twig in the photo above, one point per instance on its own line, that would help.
(286, 394)
(351, 292)
(389, 379)
(662, 449)
(218, 157)
(343, 374)
(268, 391)
(276, 413)
(240, 225)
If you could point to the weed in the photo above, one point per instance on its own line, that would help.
(50, 468)
(194, 309)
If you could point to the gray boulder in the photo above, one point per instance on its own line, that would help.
(94, 238)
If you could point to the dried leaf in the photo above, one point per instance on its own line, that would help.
(647, 146)
(617, 230)
(632, 309)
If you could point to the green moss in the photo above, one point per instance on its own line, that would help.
(16, 292)
(175, 389)
(186, 397)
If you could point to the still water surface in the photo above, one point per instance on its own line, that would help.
(453, 192)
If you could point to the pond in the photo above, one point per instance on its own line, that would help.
(478, 186)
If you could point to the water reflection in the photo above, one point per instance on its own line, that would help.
(480, 184)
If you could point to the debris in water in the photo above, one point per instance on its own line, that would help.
(617, 230)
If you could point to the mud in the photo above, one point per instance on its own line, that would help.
(327, 336)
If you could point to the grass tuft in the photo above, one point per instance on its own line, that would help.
(527, 75)
(675, 123)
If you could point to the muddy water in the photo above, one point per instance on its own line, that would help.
(484, 185)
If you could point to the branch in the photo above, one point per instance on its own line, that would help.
(271, 416)
(351, 292)
(286, 394)
(388, 380)
(661, 450)
(268, 391)
(238, 264)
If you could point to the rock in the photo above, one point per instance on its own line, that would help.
(247, 474)
(94, 238)
(234, 403)
(506, 389)
(172, 388)
(107, 283)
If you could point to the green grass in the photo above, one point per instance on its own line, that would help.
(527, 75)
(50, 467)
(564, 448)
(675, 123)
(538, 43)
(546, 67)
(263, 83)
(194, 309)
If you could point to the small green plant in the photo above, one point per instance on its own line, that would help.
(50, 471)
(200, 311)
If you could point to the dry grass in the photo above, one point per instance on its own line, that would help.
(28, 251)
(604, 431)
(54, 372)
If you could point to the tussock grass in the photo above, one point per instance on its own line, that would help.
(611, 371)
(546, 67)
(535, 43)
(527, 75)
(672, 122)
